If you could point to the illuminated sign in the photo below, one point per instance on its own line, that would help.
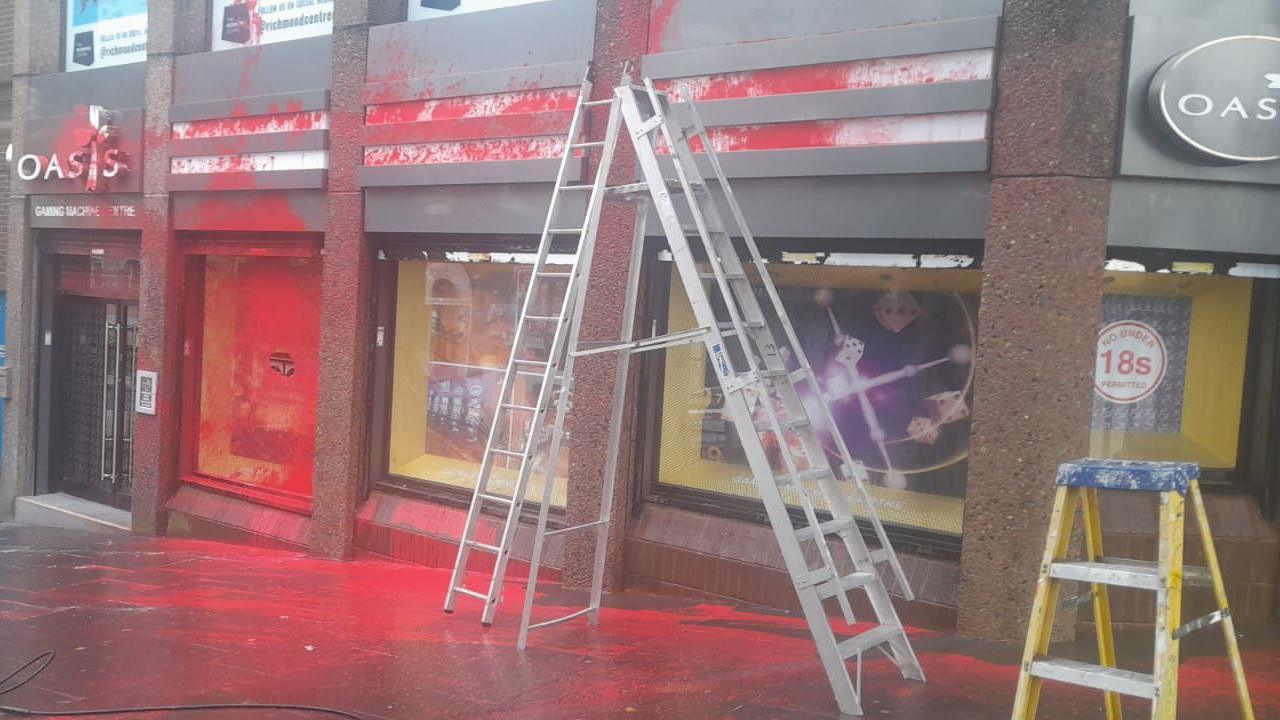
(96, 157)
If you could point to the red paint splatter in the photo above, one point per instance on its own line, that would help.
(251, 125)
(461, 152)
(473, 106)
(659, 20)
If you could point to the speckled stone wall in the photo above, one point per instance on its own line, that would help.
(1054, 144)
(622, 30)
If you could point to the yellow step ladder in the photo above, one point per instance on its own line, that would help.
(1078, 484)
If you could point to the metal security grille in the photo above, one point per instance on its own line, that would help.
(93, 425)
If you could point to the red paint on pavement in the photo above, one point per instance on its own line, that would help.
(138, 620)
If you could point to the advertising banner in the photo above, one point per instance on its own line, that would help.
(101, 33)
(241, 23)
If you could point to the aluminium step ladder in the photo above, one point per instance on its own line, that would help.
(1078, 485)
(761, 376)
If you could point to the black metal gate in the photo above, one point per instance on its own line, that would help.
(93, 410)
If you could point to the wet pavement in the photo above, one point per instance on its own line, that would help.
(143, 621)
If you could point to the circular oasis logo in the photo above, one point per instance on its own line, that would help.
(1131, 362)
(1221, 100)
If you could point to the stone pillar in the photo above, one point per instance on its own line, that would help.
(1053, 149)
(36, 51)
(345, 301)
(622, 31)
(174, 28)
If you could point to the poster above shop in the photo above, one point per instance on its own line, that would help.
(102, 33)
(242, 23)
(426, 9)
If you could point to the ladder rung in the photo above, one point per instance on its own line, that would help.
(849, 582)
(1073, 672)
(544, 273)
(830, 527)
(514, 406)
(863, 642)
(576, 187)
(693, 230)
(1120, 573)
(803, 476)
(593, 143)
(880, 555)
(727, 275)
(565, 231)
(1202, 622)
(471, 593)
(571, 528)
(500, 499)
(520, 361)
(484, 546)
(747, 324)
(566, 618)
(504, 451)
(766, 426)
(547, 318)
(597, 103)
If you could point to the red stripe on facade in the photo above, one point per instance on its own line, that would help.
(471, 128)
(857, 132)
(525, 148)
(854, 75)
(251, 125)
(473, 106)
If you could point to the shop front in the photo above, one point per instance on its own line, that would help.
(79, 167)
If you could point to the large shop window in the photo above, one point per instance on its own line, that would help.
(907, 334)
(258, 324)
(455, 319)
(1170, 371)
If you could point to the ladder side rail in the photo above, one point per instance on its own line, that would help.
(657, 186)
(512, 368)
(566, 347)
(720, 250)
(858, 478)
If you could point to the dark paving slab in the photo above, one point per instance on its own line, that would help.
(140, 621)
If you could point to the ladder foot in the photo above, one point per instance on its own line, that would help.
(448, 611)
(486, 624)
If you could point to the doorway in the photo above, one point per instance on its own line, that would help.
(93, 399)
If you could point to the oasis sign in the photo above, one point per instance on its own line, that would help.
(1221, 100)
(91, 154)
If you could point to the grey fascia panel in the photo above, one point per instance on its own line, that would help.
(258, 142)
(868, 102)
(968, 34)
(872, 160)
(936, 207)
(492, 172)
(1196, 216)
(275, 180)
(258, 105)
(484, 82)
(504, 208)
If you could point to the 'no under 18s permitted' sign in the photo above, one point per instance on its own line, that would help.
(1130, 363)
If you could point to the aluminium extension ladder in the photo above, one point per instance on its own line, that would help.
(1078, 484)
(758, 373)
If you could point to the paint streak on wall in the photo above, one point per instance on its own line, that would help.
(250, 162)
(461, 152)
(252, 125)
(853, 75)
(472, 106)
(855, 132)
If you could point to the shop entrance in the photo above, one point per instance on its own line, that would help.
(93, 407)
(88, 352)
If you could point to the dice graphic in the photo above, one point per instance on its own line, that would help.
(851, 349)
(896, 309)
(922, 430)
(947, 407)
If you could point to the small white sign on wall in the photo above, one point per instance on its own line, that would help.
(240, 23)
(424, 9)
(144, 393)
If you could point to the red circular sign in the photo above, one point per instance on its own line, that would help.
(1131, 362)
